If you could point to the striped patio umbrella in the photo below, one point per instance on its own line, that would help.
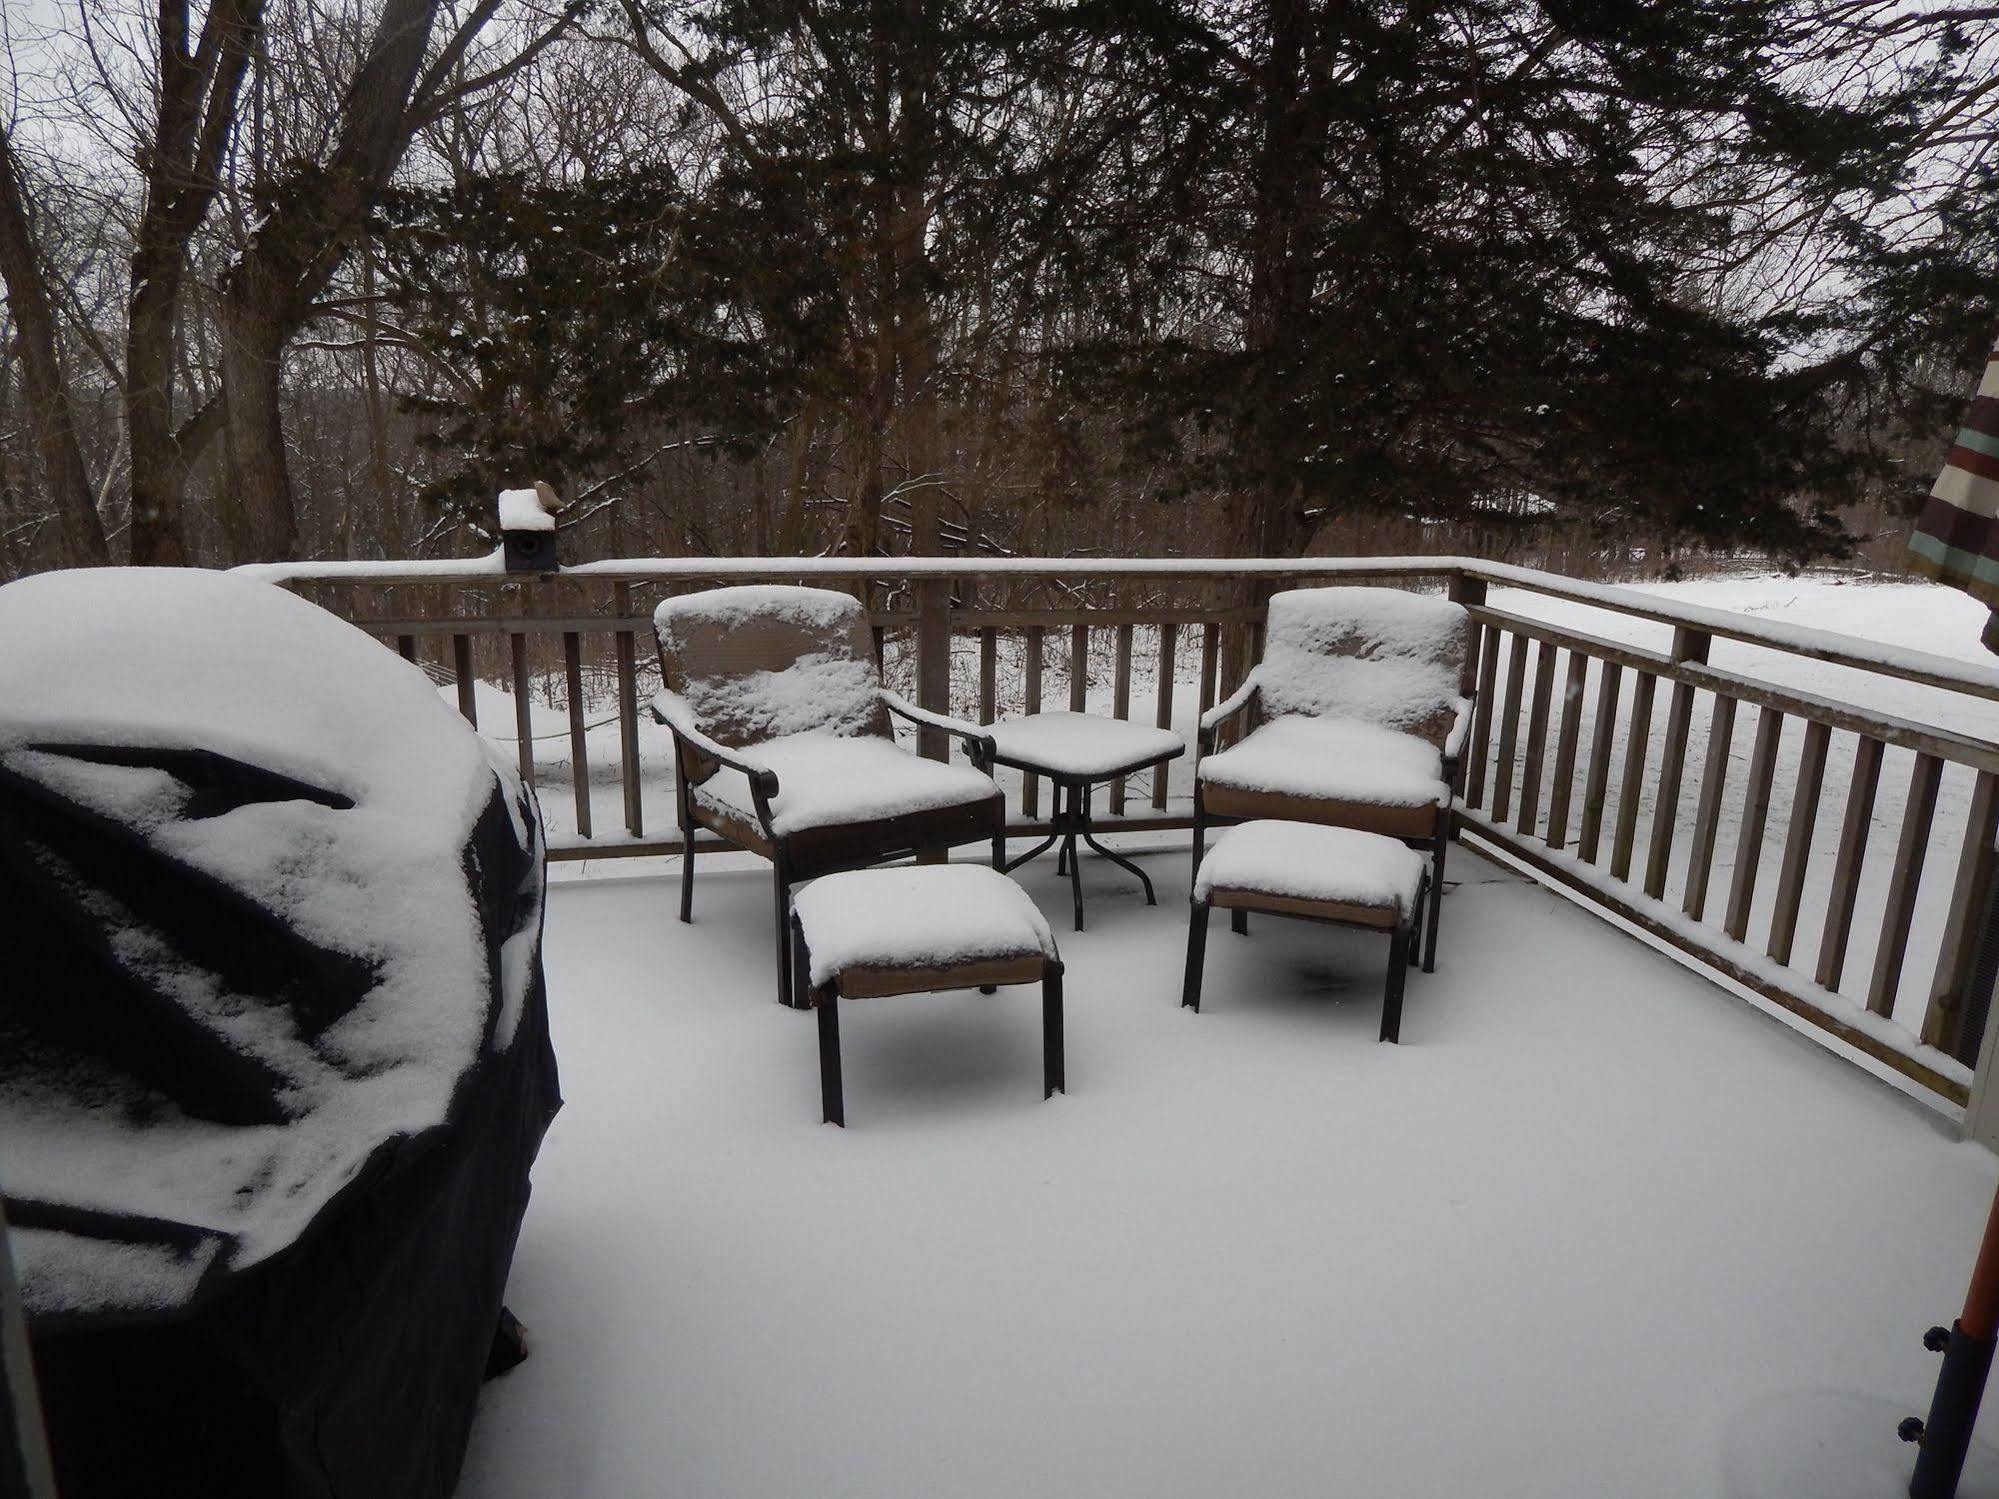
(1957, 536)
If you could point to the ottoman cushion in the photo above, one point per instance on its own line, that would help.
(1307, 869)
(918, 927)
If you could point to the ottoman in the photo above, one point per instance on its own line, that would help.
(1337, 875)
(916, 929)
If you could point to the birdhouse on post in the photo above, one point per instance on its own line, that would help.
(527, 529)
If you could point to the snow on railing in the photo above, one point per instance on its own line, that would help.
(1693, 815)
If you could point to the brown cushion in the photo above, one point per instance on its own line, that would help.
(822, 850)
(1380, 654)
(871, 983)
(1369, 817)
(1290, 905)
(758, 663)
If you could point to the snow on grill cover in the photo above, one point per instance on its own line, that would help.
(1379, 654)
(274, 1057)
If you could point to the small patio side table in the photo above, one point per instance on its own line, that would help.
(1077, 751)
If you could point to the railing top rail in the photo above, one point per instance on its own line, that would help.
(1822, 645)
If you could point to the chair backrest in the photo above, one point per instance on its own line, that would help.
(760, 662)
(1378, 654)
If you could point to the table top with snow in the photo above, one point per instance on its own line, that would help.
(934, 916)
(1082, 745)
(1656, 1234)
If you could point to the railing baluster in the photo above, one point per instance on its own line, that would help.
(1637, 746)
(628, 715)
(1899, 910)
(517, 648)
(579, 754)
(1707, 819)
(1852, 854)
(1688, 645)
(461, 668)
(1755, 819)
(1481, 736)
(1952, 1020)
(1509, 729)
(1121, 703)
(1211, 662)
(988, 675)
(1162, 712)
(1603, 737)
(1798, 840)
(1566, 735)
(1079, 668)
(1030, 786)
(1537, 738)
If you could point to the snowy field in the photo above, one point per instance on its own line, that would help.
(1594, 1229)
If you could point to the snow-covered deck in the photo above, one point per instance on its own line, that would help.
(1594, 1228)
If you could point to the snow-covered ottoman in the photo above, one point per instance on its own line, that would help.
(912, 930)
(1337, 875)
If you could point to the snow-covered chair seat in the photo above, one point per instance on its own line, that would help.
(1332, 874)
(1363, 722)
(915, 929)
(783, 742)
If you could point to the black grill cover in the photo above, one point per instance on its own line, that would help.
(274, 1052)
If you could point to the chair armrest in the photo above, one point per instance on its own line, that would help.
(673, 710)
(1454, 742)
(1228, 708)
(978, 743)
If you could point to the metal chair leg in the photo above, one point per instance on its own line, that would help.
(831, 1098)
(1239, 922)
(1197, 955)
(1436, 904)
(781, 893)
(1398, 972)
(1052, 1081)
(687, 874)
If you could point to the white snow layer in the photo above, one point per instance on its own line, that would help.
(1379, 654)
(180, 658)
(829, 779)
(1082, 744)
(1338, 758)
(920, 916)
(1570, 1239)
(1303, 861)
(522, 510)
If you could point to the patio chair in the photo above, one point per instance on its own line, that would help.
(1359, 722)
(783, 743)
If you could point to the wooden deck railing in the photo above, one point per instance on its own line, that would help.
(1578, 770)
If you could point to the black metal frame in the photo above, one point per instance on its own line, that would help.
(1404, 939)
(1436, 844)
(1069, 820)
(825, 998)
(689, 743)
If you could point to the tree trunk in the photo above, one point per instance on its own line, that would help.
(258, 520)
(43, 384)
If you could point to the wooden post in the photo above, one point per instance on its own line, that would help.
(628, 714)
(1162, 716)
(1121, 704)
(1955, 1017)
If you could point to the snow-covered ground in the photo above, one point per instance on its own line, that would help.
(1594, 1228)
